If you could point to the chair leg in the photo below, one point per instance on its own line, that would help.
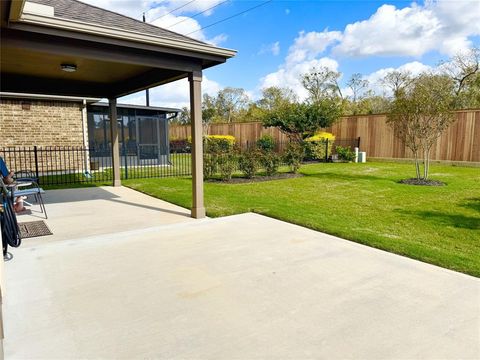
(42, 205)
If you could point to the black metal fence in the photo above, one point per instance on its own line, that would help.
(54, 165)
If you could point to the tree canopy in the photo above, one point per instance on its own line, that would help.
(301, 120)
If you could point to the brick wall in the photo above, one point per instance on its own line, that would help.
(40, 122)
(45, 124)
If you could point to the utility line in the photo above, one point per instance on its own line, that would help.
(230, 17)
(178, 8)
(200, 13)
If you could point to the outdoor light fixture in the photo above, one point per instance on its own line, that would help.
(68, 67)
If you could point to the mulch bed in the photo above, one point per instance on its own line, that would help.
(256, 179)
(422, 182)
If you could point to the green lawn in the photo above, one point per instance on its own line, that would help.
(360, 202)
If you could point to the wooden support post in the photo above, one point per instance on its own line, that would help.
(195, 80)
(112, 102)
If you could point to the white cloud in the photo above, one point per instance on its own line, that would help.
(302, 56)
(175, 94)
(414, 30)
(218, 39)
(273, 49)
(308, 46)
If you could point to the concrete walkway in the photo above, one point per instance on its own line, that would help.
(240, 287)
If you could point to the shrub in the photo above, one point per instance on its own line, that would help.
(345, 153)
(227, 164)
(218, 156)
(293, 156)
(270, 162)
(248, 162)
(266, 143)
(218, 143)
(316, 146)
(210, 163)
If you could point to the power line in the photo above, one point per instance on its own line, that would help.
(230, 17)
(178, 8)
(200, 13)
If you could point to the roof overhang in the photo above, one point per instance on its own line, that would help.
(110, 62)
(47, 97)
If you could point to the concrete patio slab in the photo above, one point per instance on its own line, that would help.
(240, 287)
(83, 212)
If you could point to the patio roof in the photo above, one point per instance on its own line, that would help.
(109, 55)
(114, 55)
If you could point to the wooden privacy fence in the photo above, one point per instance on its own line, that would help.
(460, 142)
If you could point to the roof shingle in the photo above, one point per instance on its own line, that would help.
(77, 10)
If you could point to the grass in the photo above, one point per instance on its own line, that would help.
(361, 202)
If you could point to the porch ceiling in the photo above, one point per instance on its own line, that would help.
(108, 65)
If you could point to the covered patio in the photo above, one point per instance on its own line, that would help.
(68, 48)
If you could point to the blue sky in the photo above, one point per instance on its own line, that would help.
(280, 40)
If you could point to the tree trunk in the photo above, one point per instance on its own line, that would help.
(425, 164)
(417, 165)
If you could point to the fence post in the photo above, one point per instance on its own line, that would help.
(326, 151)
(35, 152)
(358, 142)
(125, 158)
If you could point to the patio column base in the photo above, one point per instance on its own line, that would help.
(117, 183)
(198, 213)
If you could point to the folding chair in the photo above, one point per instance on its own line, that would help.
(36, 191)
(27, 179)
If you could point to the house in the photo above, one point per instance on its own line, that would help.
(29, 120)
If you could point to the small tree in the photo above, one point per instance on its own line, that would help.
(420, 113)
(301, 120)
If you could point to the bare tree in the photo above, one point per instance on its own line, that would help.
(420, 113)
(322, 83)
(463, 68)
(230, 101)
(357, 84)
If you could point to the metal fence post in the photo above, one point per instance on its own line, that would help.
(326, 151)
(125, 158)
(35, 152)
